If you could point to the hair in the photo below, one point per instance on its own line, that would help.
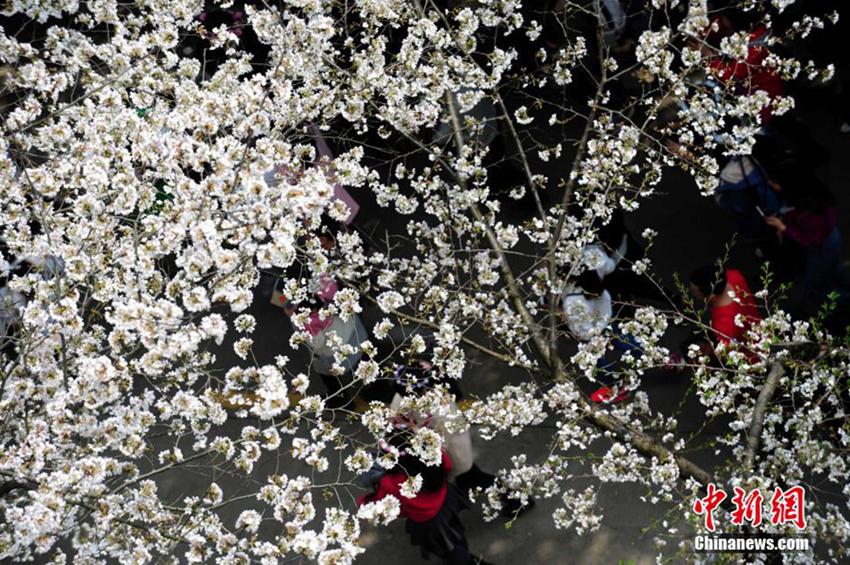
(710, 279)
(237, 24)
(803, 190)
(590, 283)
(298, 270)
(329, 227)
(433, 477)
(412, 377)
(408, 368)
(610, 234)
(742, 20)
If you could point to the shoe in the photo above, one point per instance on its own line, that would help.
(606, 395)
(473, 479)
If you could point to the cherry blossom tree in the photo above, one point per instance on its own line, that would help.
(155, 164)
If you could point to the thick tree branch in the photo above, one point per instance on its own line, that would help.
(646, 444)
(757, 424)
(510, 281)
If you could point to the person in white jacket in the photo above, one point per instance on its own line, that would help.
(586, 306)
(588, 312)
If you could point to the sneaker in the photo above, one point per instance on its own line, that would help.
(607, 395)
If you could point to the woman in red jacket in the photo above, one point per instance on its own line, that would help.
(432, 516)
(732, 307)
(749, 73)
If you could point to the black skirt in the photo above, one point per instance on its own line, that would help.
(443, 535)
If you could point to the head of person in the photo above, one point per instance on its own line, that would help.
(589, 283)
(724, 19)
(709, 37)
(299, 271)
(327, 232)
(708, 281)
(412, 375)
(610, 234)
(433, 476)
(802, 190)
(735, 19)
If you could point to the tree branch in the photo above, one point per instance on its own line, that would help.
(757, 424)
(646, 444)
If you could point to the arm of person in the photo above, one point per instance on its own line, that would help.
(596, 257)
(581, 329)
(388, 485)
(806, 238)
(814, 232)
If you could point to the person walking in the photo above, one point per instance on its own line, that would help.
(809, 228)
(588, 311)
(350, 331)
(416, 377)
(745, 191)
(433, 513)
(612, 257)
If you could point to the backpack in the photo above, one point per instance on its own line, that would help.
(749, 195)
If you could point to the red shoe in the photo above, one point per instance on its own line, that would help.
(606, 395)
